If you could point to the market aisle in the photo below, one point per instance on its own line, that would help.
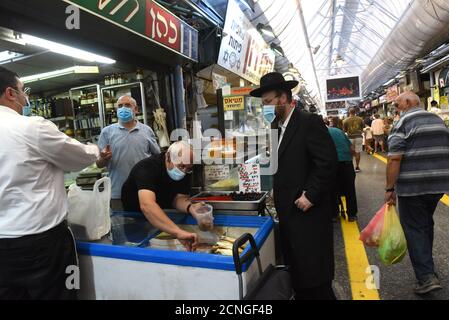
(396, 282)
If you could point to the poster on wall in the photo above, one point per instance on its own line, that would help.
(243, 51)
(343, 88)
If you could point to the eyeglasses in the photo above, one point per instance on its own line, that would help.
(25, 91)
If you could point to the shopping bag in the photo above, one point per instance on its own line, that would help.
(89, 211)
(393, 245)
(371, 234)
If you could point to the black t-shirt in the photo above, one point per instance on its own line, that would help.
(151, 174)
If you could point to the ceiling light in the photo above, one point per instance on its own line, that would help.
(65, 50)
(8, 55)
(59, 73)
(266, 30)
(277, 49)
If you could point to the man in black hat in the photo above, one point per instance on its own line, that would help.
(307, 162)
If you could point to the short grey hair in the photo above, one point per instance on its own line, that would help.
(178, 151)
(130, 98)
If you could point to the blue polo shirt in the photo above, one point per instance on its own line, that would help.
(128, 148)
(342, 144)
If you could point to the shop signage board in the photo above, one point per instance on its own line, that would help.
(234, 103)
(249, 177)
(243, 50)
(149, 20)
(392, 93)
(341, 88)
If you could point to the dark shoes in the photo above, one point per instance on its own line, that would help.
(431, 284)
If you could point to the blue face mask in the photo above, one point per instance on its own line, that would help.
(176, 174)
(125, 114)
(26, 110)
(268, 113)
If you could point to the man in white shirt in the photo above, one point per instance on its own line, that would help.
(36, 246)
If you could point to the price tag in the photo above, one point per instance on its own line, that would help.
(216, 172)
(249, 177)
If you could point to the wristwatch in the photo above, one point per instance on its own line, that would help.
(390, 190)
(188, 207)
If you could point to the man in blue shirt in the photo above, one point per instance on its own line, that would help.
(126, 143)
(345, 182)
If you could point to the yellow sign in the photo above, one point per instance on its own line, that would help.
(444, 103)
(436, 94)
(232, 103)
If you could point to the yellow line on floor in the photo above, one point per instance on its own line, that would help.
(357, 260)
(381, 158)
(444, 200)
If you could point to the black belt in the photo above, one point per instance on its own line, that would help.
(28, 240)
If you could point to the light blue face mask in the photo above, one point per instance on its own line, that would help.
(176, 174)
(268, 113)
(26, 110)
(125, 114)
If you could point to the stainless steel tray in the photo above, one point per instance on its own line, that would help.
(233, 205)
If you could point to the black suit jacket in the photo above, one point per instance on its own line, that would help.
(307, 161)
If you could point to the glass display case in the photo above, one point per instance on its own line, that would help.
(87, 107)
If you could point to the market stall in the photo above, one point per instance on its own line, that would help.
(137, 263)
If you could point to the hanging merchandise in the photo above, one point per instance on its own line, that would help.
(160, 127)
(199, 94)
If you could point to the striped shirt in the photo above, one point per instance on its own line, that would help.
(422, 139)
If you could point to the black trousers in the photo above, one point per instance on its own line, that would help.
(324, 292)
(345, 186)
(34, 267)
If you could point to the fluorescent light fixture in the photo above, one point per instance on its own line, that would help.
(266, 30)
(389, 82)
(59, 73)
(66, 50)
(277, 49)
(8, 55)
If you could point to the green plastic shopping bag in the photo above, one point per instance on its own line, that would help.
(392, 245)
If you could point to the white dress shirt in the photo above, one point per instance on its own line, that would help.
(34, 155)
(284, 126)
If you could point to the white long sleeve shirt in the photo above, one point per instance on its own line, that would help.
(33, 157)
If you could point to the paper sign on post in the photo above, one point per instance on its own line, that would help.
(249, 177)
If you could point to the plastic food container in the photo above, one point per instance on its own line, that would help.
(205, 217)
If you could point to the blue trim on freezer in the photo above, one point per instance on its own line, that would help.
(189, 259)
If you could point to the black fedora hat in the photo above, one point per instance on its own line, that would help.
(273, 81)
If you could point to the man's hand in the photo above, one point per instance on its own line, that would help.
(188, 240)
(390, 198)
(303, 203)
(106, 153)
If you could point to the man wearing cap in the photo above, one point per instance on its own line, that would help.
(307, 162)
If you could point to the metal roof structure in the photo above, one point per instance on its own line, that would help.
(324, 38)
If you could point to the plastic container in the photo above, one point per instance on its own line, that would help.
(205, 217)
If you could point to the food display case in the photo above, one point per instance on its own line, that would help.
(134, 264)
